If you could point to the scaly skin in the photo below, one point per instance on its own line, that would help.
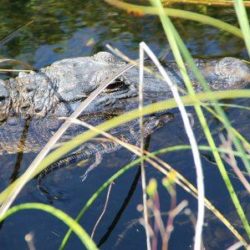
(57, 89)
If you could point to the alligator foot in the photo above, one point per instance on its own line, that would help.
(98, 160)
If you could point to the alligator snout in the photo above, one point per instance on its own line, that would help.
(227, 73)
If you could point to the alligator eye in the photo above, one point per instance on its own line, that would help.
(115, 85)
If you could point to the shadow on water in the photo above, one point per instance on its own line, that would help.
(62, 29)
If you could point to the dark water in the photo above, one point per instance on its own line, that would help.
(62, 29)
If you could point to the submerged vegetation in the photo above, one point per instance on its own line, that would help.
(233, 148)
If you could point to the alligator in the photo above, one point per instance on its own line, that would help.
(55, 91)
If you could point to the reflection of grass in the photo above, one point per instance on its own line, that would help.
(183, 58)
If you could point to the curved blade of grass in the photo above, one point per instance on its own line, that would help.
(74, 226)
(124, 169)
(148, 10)
(126, 117)
(146, 224)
